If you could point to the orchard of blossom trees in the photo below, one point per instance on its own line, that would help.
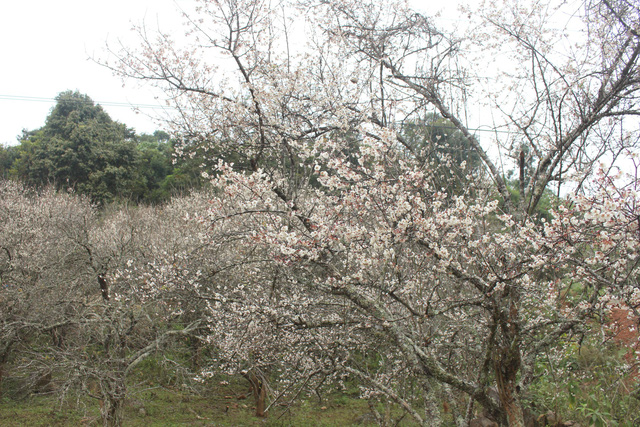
(339, 240)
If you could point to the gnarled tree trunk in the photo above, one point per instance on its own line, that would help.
(507, 364)
(259, 391)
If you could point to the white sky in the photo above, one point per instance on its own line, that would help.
(45, 46)
(45, 49)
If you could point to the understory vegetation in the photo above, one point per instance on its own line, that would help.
(597, 393)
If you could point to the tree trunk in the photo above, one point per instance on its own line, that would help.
(196, 352)
(506, 379)
(259, 390)
(507, 365)
(1, 376)
(112, 412)
(43, 382)
(104, 287)
(4, 357)
(112, 404)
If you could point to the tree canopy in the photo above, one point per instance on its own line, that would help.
(81, 148)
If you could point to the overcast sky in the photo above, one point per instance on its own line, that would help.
(45, 49)
(46, 46)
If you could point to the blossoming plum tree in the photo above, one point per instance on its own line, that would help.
(73, 318)
(34, 303)
(336, 237)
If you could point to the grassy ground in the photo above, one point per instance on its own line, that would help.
(163, 406)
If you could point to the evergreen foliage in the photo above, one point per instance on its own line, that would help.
(81, 148)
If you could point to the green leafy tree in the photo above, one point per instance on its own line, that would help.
(155, 152)
(8, 155)
(190, 160)
(82, 148)
(439, 142)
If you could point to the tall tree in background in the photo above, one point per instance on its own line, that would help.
(8, 155)
(82, 148)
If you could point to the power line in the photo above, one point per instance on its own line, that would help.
(23, 98)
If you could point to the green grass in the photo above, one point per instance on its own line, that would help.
(41, 411)
(172, 407)
(156, 396)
